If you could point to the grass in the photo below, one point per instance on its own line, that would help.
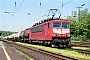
(82, 48)
(22, 54)
(61, 51)
(8, 40)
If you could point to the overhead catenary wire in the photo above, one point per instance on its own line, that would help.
(65, 3)
(58, 7)
(40, 3)
(63, 6)
(31, 13)
(40, 6)
(19, 7)
(47, 15)
(15, 11)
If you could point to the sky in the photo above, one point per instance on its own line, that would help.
(18, 19)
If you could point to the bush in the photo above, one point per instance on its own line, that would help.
(79, 38)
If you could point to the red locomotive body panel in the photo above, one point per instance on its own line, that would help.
(37, 32)
(43, 32)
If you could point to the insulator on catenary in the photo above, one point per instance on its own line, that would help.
(15, 3)
(62, 4)
(40, 4)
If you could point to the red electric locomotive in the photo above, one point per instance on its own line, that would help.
(55, 32)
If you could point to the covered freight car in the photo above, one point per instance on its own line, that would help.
(21, 35)
(26, 35)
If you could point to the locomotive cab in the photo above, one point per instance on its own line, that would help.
(61, 33)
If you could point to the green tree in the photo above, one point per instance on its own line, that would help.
(6, 33)
(85, 23)
(73, 25)
(84, 26)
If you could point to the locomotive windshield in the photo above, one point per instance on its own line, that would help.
(57, 25)
(60, 25)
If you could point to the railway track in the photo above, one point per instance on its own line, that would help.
(39, 54)
(80, 51)
(81, 44)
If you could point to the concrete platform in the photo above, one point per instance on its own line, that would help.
(8, 53)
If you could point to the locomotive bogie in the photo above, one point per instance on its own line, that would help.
(61, 42)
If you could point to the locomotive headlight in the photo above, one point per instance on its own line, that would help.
(53, 34)
(68, 35)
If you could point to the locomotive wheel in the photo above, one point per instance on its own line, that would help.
(69, 45)
(52, 46)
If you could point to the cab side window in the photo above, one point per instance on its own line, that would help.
(48, 24)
